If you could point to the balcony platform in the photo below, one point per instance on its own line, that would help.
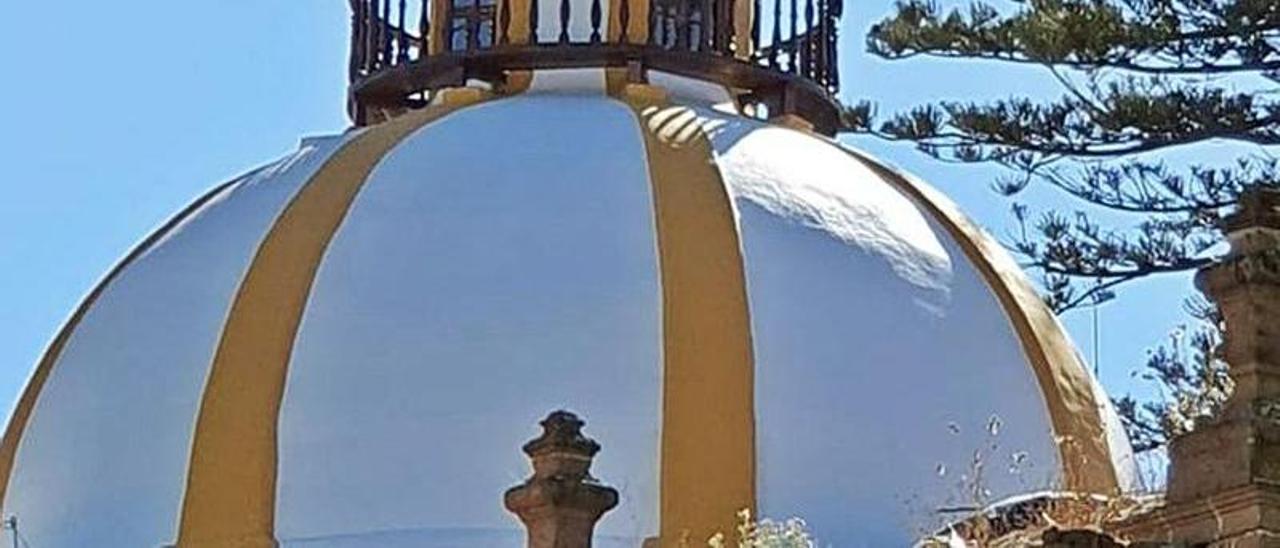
(783, 93)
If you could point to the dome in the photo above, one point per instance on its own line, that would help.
(348, 346)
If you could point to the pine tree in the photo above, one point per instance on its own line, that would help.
(1140, 78)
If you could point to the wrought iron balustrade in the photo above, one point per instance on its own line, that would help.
(782, 52)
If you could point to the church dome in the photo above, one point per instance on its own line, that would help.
(348, 346)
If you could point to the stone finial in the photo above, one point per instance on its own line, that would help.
(1246, 286)
(1258, 208)
(561, 503)
(1254, 233)
(1223, 475)
(1240, 447)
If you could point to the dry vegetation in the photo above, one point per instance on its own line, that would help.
(1024, 522)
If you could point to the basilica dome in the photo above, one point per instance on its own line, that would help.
(348, 346)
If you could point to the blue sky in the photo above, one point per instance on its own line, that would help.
(117, 114)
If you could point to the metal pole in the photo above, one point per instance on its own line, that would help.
(12, 525)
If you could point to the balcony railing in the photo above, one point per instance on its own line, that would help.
(782, 53)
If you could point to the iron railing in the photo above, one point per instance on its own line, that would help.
(791, 37)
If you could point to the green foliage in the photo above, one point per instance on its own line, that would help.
(1145, 36)
(1193, 376)
(1141, 78)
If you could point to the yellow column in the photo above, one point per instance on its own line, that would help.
(518, 80)
(439, 23)
(743, 15)
(708, 460)
(637, 23)
(230, 498)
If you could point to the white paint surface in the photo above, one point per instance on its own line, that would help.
(498, 265)
(568, 81)
(691, 91)
(501, 263)
(579, 20)
(105, 455)
(881, 354)
(800, 179)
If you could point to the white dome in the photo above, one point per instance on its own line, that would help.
(348, 346)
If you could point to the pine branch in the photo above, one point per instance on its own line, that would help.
(1129, 117)
(1081, 263)
(1184, 69)
(1149, 37)
(1151, 188)
(1148, 68)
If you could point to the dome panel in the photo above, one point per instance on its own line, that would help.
(466, 295)
(742, 312)
(852, 344)
(235, 447)
(104, 457)
(799, 178)
(867, 315)
(1095, 453)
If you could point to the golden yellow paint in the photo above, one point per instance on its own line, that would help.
(518, 31)
(439, 22)
(708, 468)
(518, 81)
(742, 17)
(637, 22)
(26, 403)
(615, 81)
(1064, 380)
(231, 485)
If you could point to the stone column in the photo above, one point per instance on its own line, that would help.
(561, 503)
(1224, 477)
